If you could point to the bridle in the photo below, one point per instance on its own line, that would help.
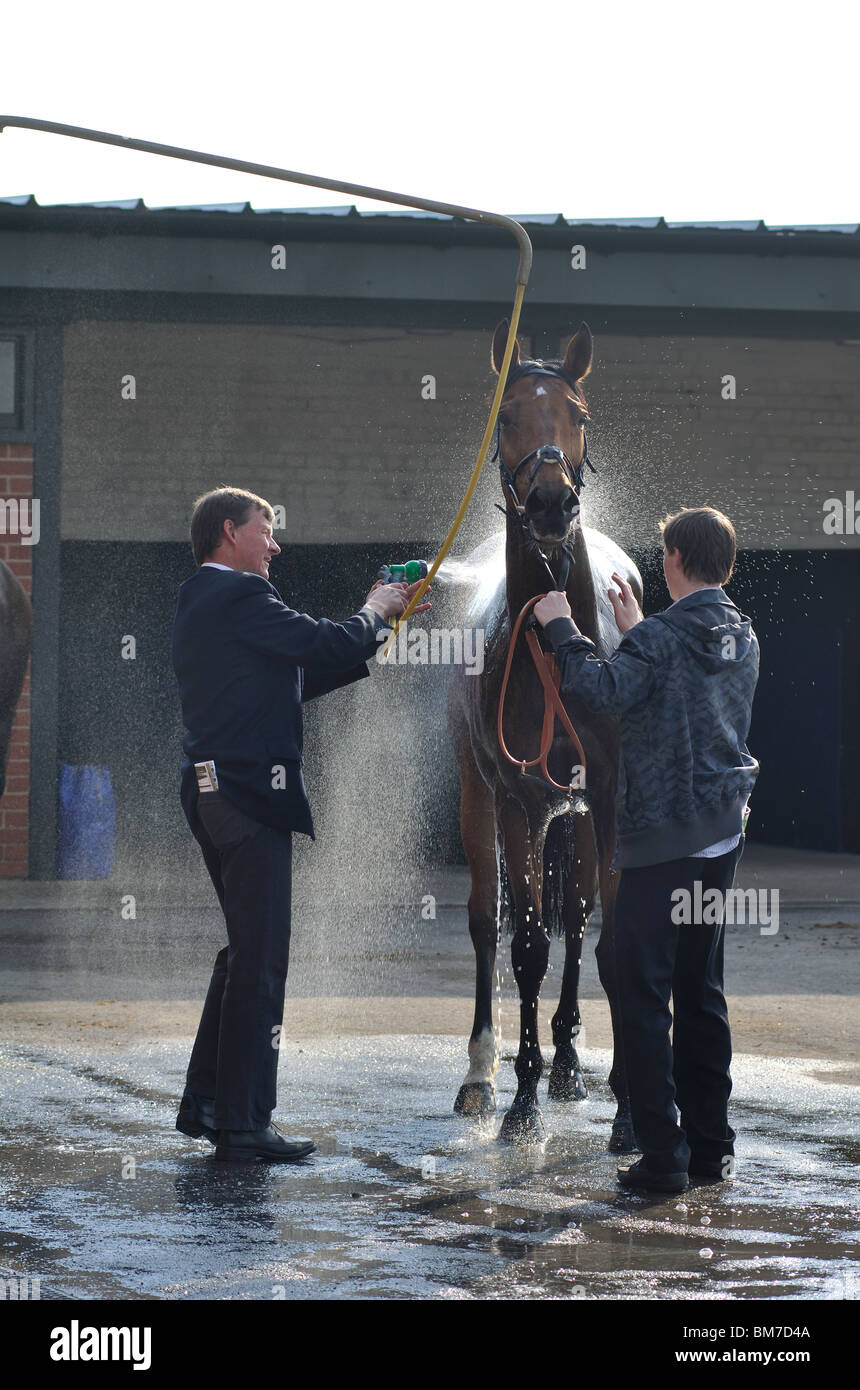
(545, 663)
(545, 453)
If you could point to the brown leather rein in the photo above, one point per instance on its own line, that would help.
(550, 677)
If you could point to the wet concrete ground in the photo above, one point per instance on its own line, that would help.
(103, 1199)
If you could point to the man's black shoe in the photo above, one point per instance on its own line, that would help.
(246, 1145)
(196, 1118)
(639, 1176)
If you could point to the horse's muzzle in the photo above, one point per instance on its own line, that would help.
(551, 514)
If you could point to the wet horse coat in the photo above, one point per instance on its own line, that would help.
(537, 854)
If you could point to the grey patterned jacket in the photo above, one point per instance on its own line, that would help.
(681, 683)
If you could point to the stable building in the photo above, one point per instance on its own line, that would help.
(337, 363)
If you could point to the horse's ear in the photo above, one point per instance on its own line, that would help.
(500, 338)
(580, 349)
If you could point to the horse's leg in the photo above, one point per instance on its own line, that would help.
(523, 851)
(477, 1095)
(566, 1081)
(623, 1138)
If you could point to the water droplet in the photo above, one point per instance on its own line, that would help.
(706, 1253)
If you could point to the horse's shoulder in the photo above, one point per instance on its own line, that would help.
(606, 558)
(605, 554)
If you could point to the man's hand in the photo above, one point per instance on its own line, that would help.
(553, 605)
(390, 600)
(626, 609)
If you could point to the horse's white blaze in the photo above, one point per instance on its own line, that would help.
(483, 1057)
(541, 391)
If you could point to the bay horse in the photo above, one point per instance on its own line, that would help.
(16, 622)
(536, 852)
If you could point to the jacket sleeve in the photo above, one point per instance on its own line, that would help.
(314, 683)
(320, 646)
(612, 686)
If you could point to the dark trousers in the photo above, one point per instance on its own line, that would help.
(235, 1054)
(655, 958)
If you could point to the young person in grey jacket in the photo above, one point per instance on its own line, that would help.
(681, 683)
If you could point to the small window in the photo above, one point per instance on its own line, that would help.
(9, 376)
(16, 384)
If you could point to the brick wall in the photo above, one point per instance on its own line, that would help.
(16, 480)
(330, 422)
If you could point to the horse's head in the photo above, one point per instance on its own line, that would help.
(540, 442)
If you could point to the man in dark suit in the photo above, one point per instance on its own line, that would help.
(245, 663)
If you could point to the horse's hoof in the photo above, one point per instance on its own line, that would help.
(476, 1098)
(522, 1125)
(623, 1138)
(567, 1084)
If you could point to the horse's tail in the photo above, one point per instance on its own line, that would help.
(557, 858)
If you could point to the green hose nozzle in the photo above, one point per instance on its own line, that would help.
(408, 573)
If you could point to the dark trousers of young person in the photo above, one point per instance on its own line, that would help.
(235, 1054)
(655, 958)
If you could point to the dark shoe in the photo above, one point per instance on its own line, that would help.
(639, 1176)
(196, 1118)
(246, 1145)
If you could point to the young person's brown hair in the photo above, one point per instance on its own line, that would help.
(706, 541)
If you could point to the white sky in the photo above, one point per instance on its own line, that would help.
(722, 111)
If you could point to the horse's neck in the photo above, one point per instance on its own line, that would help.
(580, 589)
(526, 576)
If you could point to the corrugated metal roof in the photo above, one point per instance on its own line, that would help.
(136, 205)
(527, 219)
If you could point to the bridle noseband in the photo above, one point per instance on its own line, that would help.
(545, 453)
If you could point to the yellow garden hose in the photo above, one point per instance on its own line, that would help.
(362, 191)
(476, 471)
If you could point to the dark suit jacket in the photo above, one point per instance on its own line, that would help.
(245, 663)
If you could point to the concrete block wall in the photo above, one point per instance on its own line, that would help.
(331, 423)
